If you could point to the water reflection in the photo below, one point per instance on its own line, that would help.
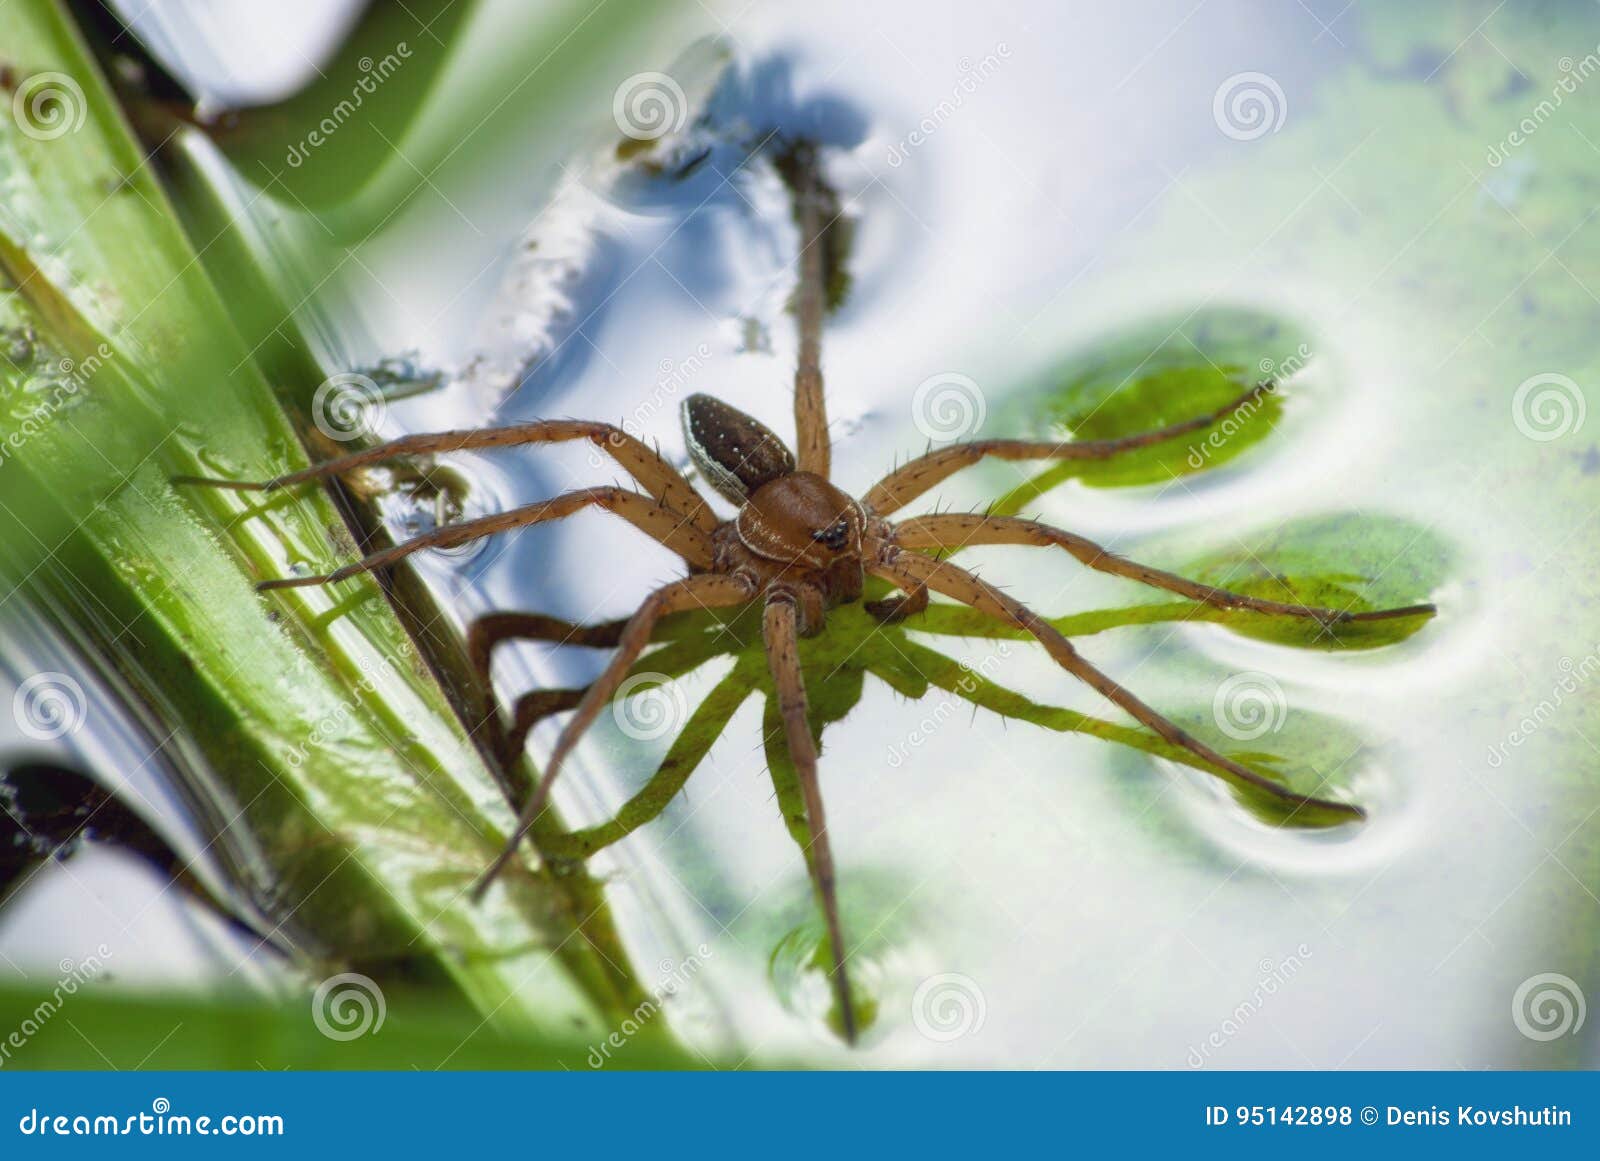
(111, 844)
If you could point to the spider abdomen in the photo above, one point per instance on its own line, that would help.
(735, 452)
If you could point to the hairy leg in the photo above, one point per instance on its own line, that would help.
(815, 209)
(892, 610)
(781, 630)
(952, 581)
(953, 531)
(491, 629)
(655, 475)
(531, 709)
(693, 592)
(672, 659)
(912, 479)
(661, 524)
(688, 750)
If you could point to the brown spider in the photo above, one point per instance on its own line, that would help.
(798, 545)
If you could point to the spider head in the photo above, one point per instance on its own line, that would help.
(801, 519)
(835, 536)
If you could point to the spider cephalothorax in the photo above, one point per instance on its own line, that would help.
(798, 546)
(794, 531)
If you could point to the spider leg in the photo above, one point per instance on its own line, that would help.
(780, 628)
(493, 628)
(688, 750)
(662, 524)
(531, 709)
(706, 591)
(907, 568)
(655, 475)
(893, 610)
(815, 209)
(952, 531)
(671, 660)
(915, 477)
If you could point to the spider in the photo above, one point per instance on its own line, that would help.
(798, 546)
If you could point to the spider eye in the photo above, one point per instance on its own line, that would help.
(835, 536)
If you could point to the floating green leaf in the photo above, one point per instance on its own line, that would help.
(1152, 376)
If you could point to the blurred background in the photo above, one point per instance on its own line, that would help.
(238, 831)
